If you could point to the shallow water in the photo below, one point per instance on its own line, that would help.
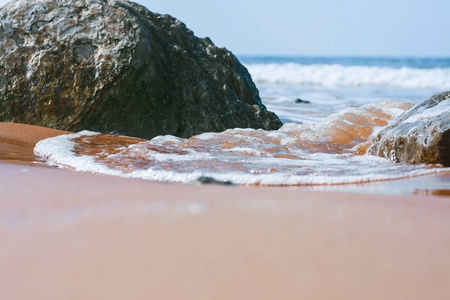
(328, 152)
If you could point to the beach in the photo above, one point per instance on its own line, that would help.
(76, 235)
(183, 171)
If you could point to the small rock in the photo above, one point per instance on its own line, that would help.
(298, 100)
(211, 180)
(420, 135)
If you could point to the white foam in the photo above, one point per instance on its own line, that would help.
(294, 74)
(244, 150)
(161, 139)
(245, 159)
(205, 136)
(317, 168)
(59, 151)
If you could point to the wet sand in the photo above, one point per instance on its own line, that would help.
(72, 235)
(18, 140)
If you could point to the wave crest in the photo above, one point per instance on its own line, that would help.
(349, 76)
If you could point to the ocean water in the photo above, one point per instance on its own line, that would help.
(322, 142)
(333, 84)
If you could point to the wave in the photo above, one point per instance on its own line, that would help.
(334, 75)
(330, 152)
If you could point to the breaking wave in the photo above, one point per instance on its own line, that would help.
(335, 75)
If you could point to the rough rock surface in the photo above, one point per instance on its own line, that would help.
(110, 65)
(420, 135)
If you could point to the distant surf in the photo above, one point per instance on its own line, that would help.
(331, 84)
(335, 75)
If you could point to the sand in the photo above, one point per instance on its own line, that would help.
(17, 141)
(72, 235)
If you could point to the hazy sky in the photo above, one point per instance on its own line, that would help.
(317, 27)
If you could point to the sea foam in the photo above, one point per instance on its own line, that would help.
(328, 152)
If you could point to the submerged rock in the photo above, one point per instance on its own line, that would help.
(420, 135)
(298, 100)
(115, 66)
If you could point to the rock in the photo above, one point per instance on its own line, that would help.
(114, 66)
(211, 180)
(420, 135)
(298, 100)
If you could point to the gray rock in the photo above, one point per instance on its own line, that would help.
(420, 135)
(110, 65)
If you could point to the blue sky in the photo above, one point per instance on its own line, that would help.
(317, 27)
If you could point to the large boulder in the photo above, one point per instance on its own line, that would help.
(110, 65)
(420, 135)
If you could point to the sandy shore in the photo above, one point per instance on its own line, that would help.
(18, 140)
(71, 235)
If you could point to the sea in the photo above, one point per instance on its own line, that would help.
(333, 84)
(330, 107)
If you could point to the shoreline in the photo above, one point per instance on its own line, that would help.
(17, 142)
(71, 234)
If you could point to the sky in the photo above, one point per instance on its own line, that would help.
(396, 28)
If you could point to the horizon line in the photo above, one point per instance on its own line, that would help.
(344, 56)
